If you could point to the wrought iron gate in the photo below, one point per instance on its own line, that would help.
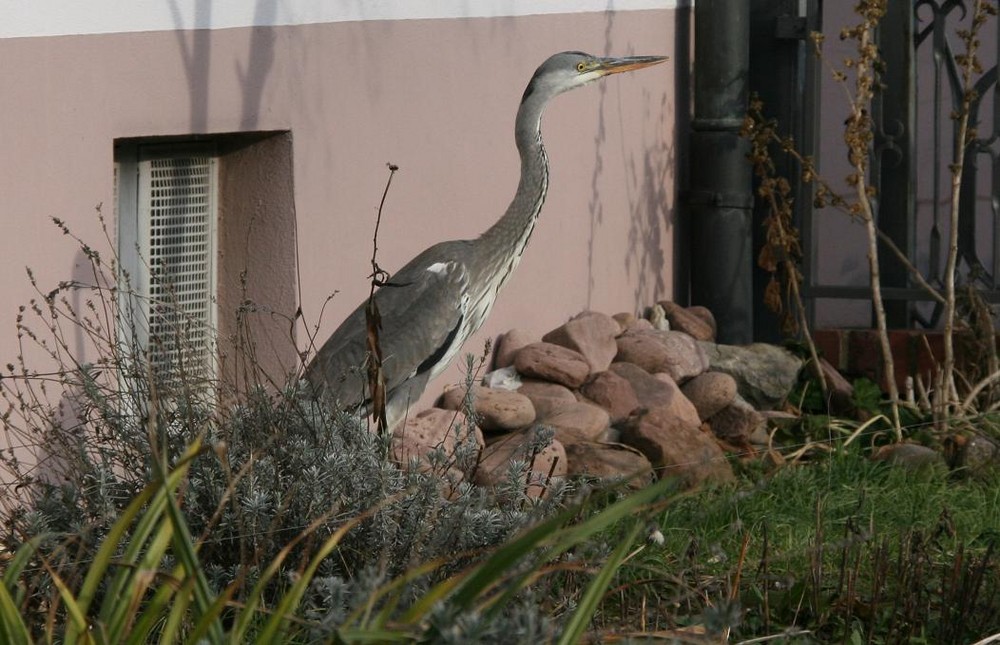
(914, 145)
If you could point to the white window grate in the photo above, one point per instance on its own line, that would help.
(177, 244)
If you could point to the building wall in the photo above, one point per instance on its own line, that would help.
(431, 86)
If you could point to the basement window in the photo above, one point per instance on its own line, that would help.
(167, 215)
(206, 246)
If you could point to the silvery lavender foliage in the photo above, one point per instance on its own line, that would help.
(275, 464)
(100, 427)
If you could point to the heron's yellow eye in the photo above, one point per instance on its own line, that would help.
(581, 67)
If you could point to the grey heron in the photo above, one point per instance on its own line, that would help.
(431, 306)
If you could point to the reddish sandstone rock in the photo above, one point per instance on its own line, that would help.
(710, 392)
(672, 352)
(494, 467)
(546, 396)
(706, 315)
(613, 393)
(554, 363)
(508, 345)
(649, 390)
(677, 448)
(624, 320)
(841, 391)
(643, 349)
(659, 391)
(909, 455)
(498, 410)
(534, 389)
(574, 422)
(640, 324)
(433, 428)
(609, 461)
(590, 333)
(692, 324)
(737, 422)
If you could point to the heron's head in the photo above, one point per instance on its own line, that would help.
(567, 70)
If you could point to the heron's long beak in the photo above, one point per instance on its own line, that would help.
(628, 63)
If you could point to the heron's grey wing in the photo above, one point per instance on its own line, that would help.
(421, 307)
(422, 314)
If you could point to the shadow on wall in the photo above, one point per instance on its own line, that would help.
(652, 181)
(195, 48)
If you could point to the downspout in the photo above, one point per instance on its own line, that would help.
(721, 198)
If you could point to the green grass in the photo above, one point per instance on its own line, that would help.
(843, 548)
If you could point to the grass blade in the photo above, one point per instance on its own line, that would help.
(77, 613)
(12, 627)
(573, 631)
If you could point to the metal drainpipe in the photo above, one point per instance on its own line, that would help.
(721, 198)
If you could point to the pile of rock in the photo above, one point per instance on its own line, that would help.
(625, 397)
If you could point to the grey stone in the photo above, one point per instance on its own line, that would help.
(765, 374)
(504, 378)
(979, 455)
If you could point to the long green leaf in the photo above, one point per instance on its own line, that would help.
(123, 614)
(12, 627)
(187, 554)
(395, 585)
(290, 600)
(21, 559)
(77, 614)
(104, 557)
(178, 610)
(560, 538)
(466, 587)
(577, 624)
(210, 617)
(153, 612)
(362, 635)
(238, 632)
(574, 534)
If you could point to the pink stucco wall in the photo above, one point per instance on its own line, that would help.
(436, 97)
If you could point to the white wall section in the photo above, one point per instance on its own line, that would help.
(22, 18)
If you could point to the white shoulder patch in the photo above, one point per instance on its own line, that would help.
(439, 267)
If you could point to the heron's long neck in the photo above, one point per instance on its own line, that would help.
(503, 243)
